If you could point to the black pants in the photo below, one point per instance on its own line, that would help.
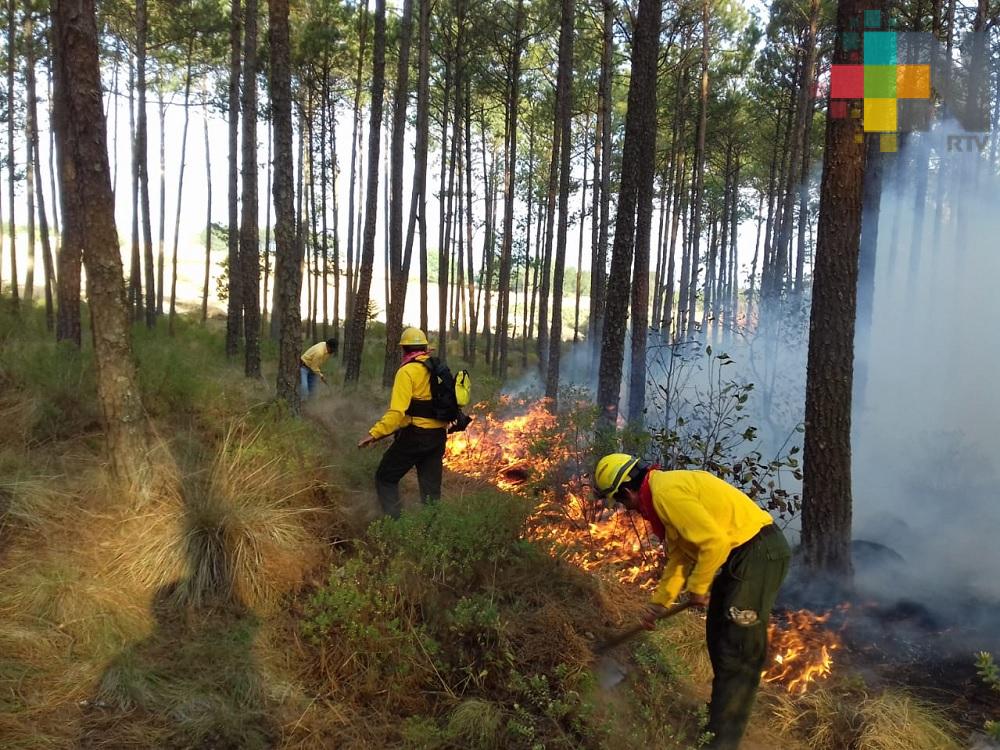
(413, 446)
(740, 605)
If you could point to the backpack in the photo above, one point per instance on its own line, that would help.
(448, 393)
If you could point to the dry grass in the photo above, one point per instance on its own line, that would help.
(477, 724)
(846, 718)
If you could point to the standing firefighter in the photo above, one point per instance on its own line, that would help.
(708, 526)
(311, 366)
(425, 401)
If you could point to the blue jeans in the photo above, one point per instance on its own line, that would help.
(307, 382)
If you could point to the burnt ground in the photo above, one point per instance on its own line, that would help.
(893, 637)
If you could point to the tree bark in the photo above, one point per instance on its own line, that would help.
(43, 224)
(550, 220)
(359, 318)
(249, 252)
(208, 224)
(288, 252)
(180, 191)
(826, 486)
(355, 141)
(82, 143)
(29, 173)
(267, 238)
(636, 186)
(141, 140)
(11, 164)
(598, 282)
(564, 94)
(161, 237)
(397, 270)
(513, 103)
(234, 303)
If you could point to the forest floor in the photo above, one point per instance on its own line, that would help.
(262, 603)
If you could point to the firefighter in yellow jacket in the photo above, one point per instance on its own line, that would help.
(731, 558)
(420, 440)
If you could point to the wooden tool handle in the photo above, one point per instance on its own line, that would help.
(632, 632)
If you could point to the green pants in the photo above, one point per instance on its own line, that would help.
(738, 611)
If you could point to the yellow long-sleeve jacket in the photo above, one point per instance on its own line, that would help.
(315, 357)
(705, 519)
(413, 381)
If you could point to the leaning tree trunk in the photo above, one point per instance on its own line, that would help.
(43, 223)
(288, 252)
(564, 116)
(638, 167)
(208, 225)
(180, 192)
(359, 313)
(234, 304)
(826, 485)
(83, 156)
(249, 232)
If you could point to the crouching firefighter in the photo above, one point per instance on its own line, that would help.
(424, 407)
(731, 558)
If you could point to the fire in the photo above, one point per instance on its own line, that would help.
(802, 650)
(533, 454)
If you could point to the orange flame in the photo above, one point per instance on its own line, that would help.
(532, 454)
(802, 650)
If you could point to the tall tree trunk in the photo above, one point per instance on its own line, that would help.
(698, 176)
(234, 304)
(513, 104)
(249, 252)
(323, 161)
(180, 189)
(870, 210)
(141, 139)
(355, 141)
(530, 189)
(288, 251)
(826, 486)
(598, 283)
(11, 164)
(161, 237)
(70, 257)
(579, 248)
(636, 191)
(489, 254)
(335, 167)
(473, 294)
(264, 325)
(359, 319)
(29, 174)
(669, 322)
(82, 142)
(208, 224)
(564, 117)
(397, 270)
(800, 257)
(32, 123)
(135, 266)
(550, 218)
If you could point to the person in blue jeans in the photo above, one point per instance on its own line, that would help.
(311, 366)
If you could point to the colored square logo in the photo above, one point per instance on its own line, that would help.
(880, 47)
(880, 81)
(913, 114)
(847, 82)
(873, 19)
(838, 110)
(913, 81)
(888, 143)
(880, 116)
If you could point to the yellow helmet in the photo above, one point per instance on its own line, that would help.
(612, 472)
(413, 337)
